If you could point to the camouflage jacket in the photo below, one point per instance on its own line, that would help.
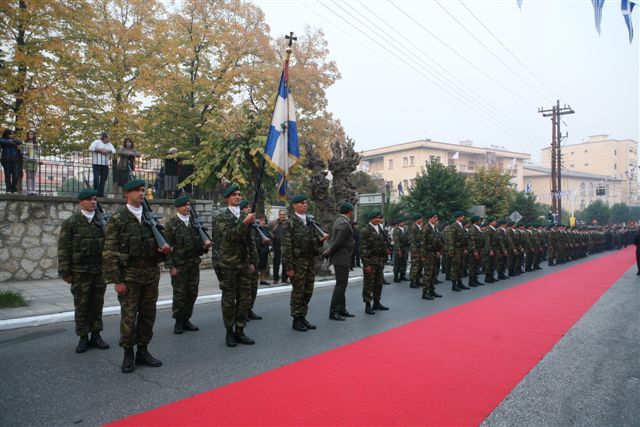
(431, 240)
(185, 241)
(80, 246)
(128, 244)
(234, 245)
(373, 247)
(415, 238)
(300, 242)
(492, 241)
(401, 239)
(476, 239)
(456, 238)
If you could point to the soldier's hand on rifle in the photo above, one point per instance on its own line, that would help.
(492, 253)
(476, 254)
(165, 249)
(252, 268)
(367, 269)
(207, 244)
(68, 278)
(324, 238)
(173, 272)
(290, 272)
(120, 288)
(250, 219)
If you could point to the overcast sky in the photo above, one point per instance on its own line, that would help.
(410, 71)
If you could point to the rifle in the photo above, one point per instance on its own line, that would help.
(102, 217)
(151, 218)
(195, 221)
(311, 219)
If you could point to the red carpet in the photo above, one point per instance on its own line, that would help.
(451, 368)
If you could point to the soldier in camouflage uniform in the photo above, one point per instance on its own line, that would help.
(475, 248)
(130, 259)
(501, 259)
(301, 244)
(184, 263)
(456, 247)
(401, 248)
(80, 265)
(492, 246)
(431, 248)
(255, 276)
(374, 252)
(233, 256)
(415, 245)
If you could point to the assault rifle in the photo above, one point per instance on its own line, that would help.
(196, 222)
(151, 218)
(102, 217)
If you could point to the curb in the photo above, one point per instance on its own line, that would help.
(67, 316)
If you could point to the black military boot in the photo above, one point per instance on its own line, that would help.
(489, 279)
(478, 283)
(242, 338)
(378, 306)
(253, 316)
(143, 357)
(230, 338)
(426, 294)
(97, 341)
(462, 286)
(454, 287)
(83, 344)
(403, 278)
(396, 278)
(368, 309)
(414, 284)
(178, 328)
(298, 325)
(472, 282)
(435, 294)
(127, 362)
(188, 326)
(308, 324)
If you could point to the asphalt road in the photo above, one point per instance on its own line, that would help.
(44, 382)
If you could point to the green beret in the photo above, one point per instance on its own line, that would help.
(502, 222)
(86, 193)
(133, 184)
(374, 213)
(345, 208)
(417, 215)
(299, 198)
(231, 189)
(475, 218)
(458, 214)
(489, 219)
(430, 214)
(181, 201)
(244, 203)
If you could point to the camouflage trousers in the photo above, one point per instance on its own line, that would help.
(304, 276)
(501, 263)
(474, 265)
(235, 284)
(372, 287)
(400, 264)
(489, 264)
(255, 278)
(457, 265)
(416, 266)
(529, 259)
(185, 291)
(138, 305)
(88, 298)
(430, 270)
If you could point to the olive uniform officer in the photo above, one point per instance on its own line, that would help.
(184, 263)
(131, 257)
(80, 265)
(340, 251)
(456, 247)
(374, 252)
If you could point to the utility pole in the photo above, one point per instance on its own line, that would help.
(556, 155)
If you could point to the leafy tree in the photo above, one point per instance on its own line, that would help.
(597, 211)
(634, 214)
(440, 188)
(491, 187)
(528, 207)
(619, 213)
(365, 183)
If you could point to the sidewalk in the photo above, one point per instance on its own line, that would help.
(50, 300)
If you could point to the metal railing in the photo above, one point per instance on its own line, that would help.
(67, 174)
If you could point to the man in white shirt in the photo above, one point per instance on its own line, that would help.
(101, 151)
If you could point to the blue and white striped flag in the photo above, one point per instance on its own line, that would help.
(528, 189)
(282, 149)
(597, 9)
(627, 8)
(519, 3)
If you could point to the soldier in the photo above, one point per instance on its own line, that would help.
(475, 248)
(340, 251)
(234, 255)
(80, 265)
(301, 244)
(431, 248)
(415, 244)
(492, 247)
(456, 249)
(501, 259)
(184, 263)
(400, 248)
(131, 257)
(260, 242)
(374, 253)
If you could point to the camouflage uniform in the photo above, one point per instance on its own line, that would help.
(456, 246)
(373, 250)
(432, 244)
(131, 257)
(401, 248)
(501, 257)
(492, 243)
(80, 256)
(187, 248)
(415, 244)
(234, 251)
(300, 246)
(476, 246)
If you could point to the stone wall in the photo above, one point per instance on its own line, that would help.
(30, 225)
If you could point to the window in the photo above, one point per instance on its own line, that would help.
(600, 191)
(405, 162)
(586, 151)
(586, 164)
(390, 163)
(571, 166)
(412, 161)
(434, 159)
(412, 183)
(615, 166)
(615, 152)
(365, 166)
(405, 183)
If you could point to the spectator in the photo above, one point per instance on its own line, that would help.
(158, 184)
(10, 159)
(101, 151)
(171, 167)
(126, 160)
(31, 153)
(277, 227)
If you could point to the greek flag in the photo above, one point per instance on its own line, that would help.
(527, 189)
(597, 9)
(519, 3)
(282, 149)
(627, 8)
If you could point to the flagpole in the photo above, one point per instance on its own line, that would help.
(287, 56)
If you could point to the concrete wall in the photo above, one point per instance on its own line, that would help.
(30, 225)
